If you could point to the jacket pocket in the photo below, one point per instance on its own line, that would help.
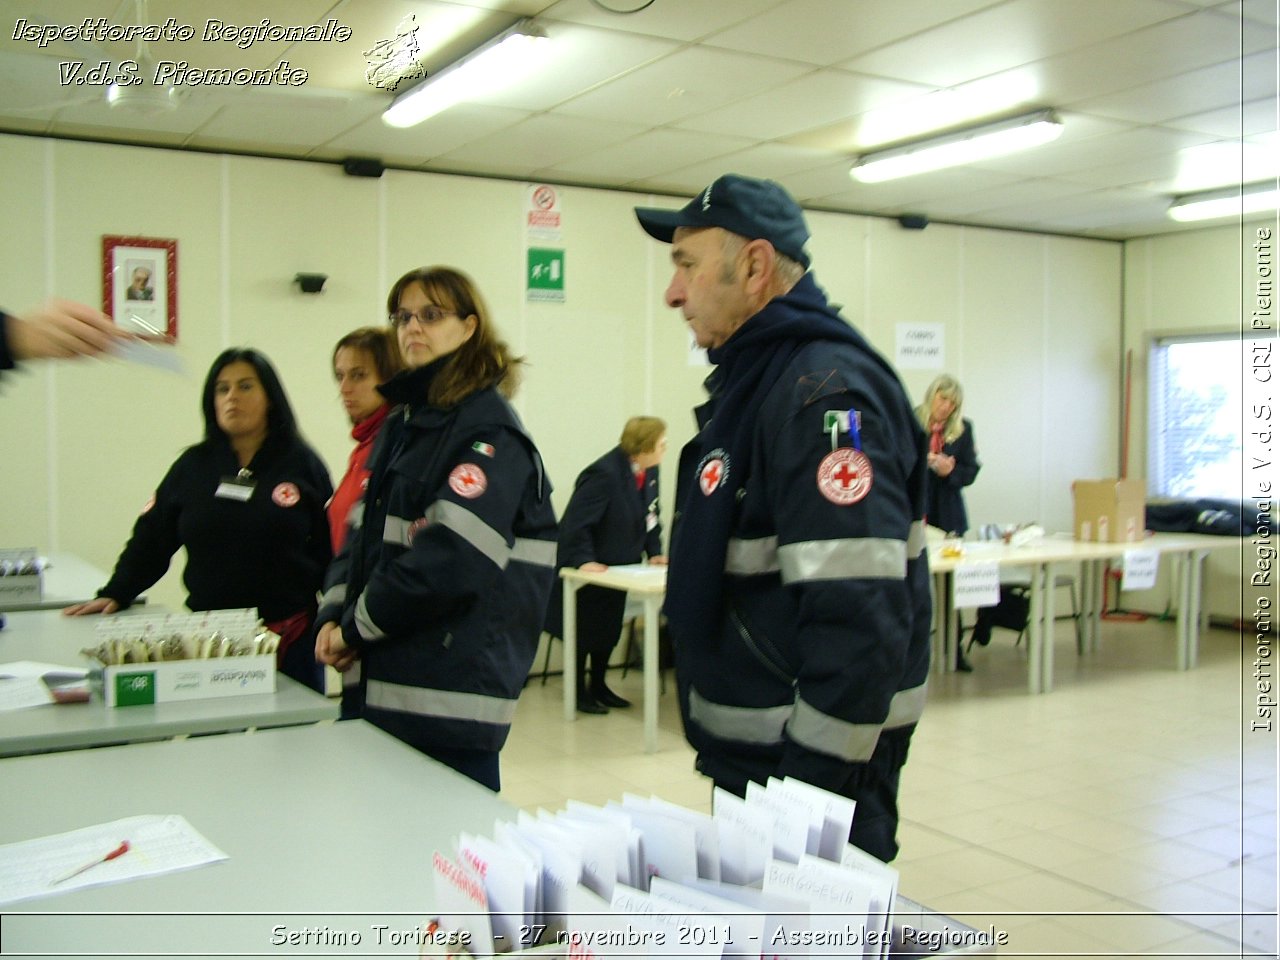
(757, 640)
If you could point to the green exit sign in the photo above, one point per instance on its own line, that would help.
(544, 274)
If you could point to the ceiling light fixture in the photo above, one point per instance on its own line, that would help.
(958, 147)
(1229, 202)
(497, 63)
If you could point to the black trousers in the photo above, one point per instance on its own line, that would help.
(600, 612)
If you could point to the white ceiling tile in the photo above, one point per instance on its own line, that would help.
(1006, 36)
(648, 155)
(825, 32)
(440, 135)
(694, 80)
(1034, 192)
(1196, 91)
(815, 100)
(1058, 158)
(1256, 116)
(542, 141)
(682, 20)
(581, 58)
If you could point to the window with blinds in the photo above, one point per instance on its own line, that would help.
(1195, 413)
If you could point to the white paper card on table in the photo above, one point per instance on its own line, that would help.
(503, 877)
(885, 885)
(706, 836)
(599, 843)
(837, 818)
(22, 693)
(839, 905)
(671, 933)
(804, 807)
(881, 886)
(1140, 567)
(157, 844)
(786, 919)
(746, 838)
(561, 866)
(976, 584)
(506, 834)
(791, 824)
(461, 903)
(746, 925)
(631, 870)
(669, 847)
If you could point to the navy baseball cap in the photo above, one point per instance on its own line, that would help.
(751, 208)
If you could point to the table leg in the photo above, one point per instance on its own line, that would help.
(652, 611)
(1091, 602)
(1035, 631)
(1188, 629)
(1050, 628)
(570, 650)
(943, 622)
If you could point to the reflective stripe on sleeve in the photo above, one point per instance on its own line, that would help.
(444, 704)
(335, 596)
(396, 530)
(747, 558)
(860, 558)
(916, 540)
(762, 725)
(471, 529)
(367, 629)
(854, 742)
(540, 553)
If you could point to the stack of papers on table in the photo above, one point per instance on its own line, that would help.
(772, 875)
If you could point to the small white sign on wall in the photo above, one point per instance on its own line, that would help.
(976, 585)
(1140, 568)
(920, 346)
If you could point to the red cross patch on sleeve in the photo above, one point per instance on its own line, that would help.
(844, 476)
(468, 480)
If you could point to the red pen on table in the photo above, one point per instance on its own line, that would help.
(119, 851)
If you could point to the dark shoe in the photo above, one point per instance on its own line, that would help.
(589, 704)
(611, 699)
(962, 665)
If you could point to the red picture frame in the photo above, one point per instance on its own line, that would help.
(140, 285)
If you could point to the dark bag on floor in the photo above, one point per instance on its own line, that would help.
(1011, 612)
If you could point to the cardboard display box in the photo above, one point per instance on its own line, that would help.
(27, 586)
(1109, 511)
(132, 684)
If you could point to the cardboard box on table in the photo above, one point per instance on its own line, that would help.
(1109, 511)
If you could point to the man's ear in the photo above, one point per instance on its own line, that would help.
(760, 258)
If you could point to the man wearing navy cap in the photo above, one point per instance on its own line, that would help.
(798, 588)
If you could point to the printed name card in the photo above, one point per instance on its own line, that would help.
(1140, 568)
(977, 584)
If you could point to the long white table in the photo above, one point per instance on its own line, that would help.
(649, 583)
(46, 636)
(1042, 558)
(329, 827)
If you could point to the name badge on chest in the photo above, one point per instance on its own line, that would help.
(240, 487)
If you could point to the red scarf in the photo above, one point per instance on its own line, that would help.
(935, 437)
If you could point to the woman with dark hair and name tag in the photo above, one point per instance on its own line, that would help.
(247, 503)
(434, 607)
(612, 519)
(953, 463)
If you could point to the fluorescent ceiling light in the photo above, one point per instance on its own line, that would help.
(1231, 202)
(958, 147)
(495, 64)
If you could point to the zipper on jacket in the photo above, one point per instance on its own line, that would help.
(764, 652)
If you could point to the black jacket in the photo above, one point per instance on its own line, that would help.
(821, 641)
(946, 509)
(269, 551)
(443, 586)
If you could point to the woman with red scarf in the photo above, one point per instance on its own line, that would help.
(362, 359)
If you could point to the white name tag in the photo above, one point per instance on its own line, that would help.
(227, 490)
(977, 585)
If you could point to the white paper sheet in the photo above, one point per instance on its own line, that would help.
(157, 844)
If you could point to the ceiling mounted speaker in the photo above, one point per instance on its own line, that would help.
(362, 167)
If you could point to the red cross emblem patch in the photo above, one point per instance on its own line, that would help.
(844, 476)
(713, 472)
(468, 480)
(285, 495)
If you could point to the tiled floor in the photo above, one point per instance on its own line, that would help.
(1130, 812)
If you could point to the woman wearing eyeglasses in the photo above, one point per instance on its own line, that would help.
(434, 607)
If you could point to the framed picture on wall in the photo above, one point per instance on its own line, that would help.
(140, 285)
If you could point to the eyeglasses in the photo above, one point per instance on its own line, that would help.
(427, 316)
